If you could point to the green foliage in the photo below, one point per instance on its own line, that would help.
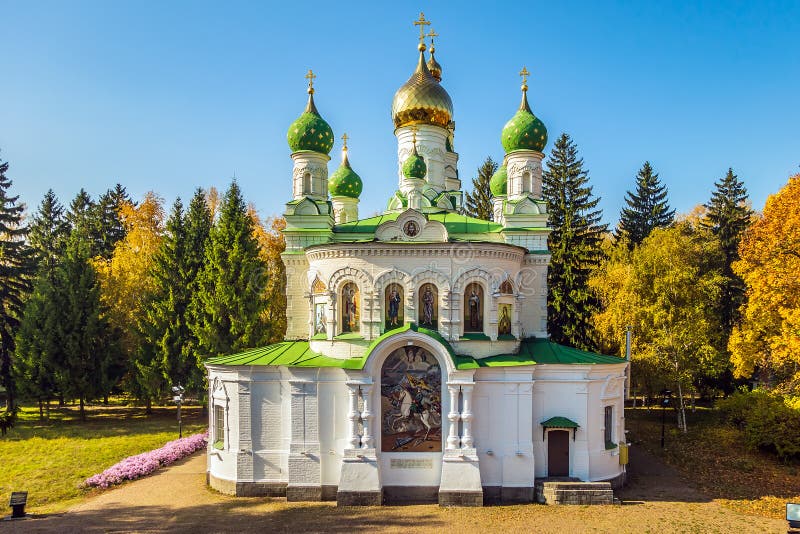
(769, 422)
(48, 233)
(229, 301)
(575, 246)
(728, 217)
(17, 266)
(646, 209)
(478, 203)
(108, 228)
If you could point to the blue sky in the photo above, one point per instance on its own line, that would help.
(168, 96)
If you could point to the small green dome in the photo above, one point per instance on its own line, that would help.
(414, 166)
(499, 182)
(524, 131)
(345, 182)
(310, 131)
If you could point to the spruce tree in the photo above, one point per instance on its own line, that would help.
(80, 213)
(83, 331)
(107, 220)
(728, 217)
(575, 246)
(646, 209)
(229, 300)
(478, 203)
(48, 234)
(16, 270)
(198, 227)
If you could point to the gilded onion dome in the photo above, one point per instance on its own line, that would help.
(524, 131)
(414, 166)
(344, 182)
(499, 182)
(421, 100)
(310, 131)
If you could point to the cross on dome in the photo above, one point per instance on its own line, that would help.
(310, 77)
(422, 23)
(345, 137)
(524, 73)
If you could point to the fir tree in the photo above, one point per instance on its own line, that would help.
(479, 203)
(107, 220)
(80, 211)
(646, 209)
(82, 328)
(198, 227)
(574, 244)
(16, 270)
(48, 234)
(229, 300)
(728, 217)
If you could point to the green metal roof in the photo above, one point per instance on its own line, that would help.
(453, 222)
(559, 422)
(532, 352)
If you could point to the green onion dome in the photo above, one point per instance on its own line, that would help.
(524, 131)
(345, 182)
(414, 166)
(499, 182)
(310, 131)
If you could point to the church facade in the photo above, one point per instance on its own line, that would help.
(416, 363)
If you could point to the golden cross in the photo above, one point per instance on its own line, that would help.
(345, 138)
(524, 73)
(422, 23)
(432, 34)
(310, 77)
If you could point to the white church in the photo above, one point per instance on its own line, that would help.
(416, 365)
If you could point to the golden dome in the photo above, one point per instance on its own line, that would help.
(421, 100)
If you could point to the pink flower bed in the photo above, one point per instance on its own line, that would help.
(143, 464)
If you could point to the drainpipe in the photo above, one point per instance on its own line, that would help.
(628, 330)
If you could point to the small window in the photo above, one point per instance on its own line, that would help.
(219, 427)
(609, 424)
(307, 183)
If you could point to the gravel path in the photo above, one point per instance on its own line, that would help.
(176, 499)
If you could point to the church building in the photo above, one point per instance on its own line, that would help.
(416, 363)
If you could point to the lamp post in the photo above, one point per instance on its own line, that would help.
(178, 399)
(664, 403)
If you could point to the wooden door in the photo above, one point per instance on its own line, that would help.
(558, 453)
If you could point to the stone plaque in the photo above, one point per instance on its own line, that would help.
(411, 463)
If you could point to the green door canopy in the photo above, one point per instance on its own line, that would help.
(533, 351)
(559, 422)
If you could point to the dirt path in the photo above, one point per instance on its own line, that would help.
(177, 500)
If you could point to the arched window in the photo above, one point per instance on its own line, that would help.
(350, 306)
(527, 184)
(506, 288)
(428, 307)
(393, 306)
(411, 401)
(307, 183)
(473, 308)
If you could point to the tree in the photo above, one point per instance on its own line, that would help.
(80, 211)
(49, 232)
(109, 228)
(229, 301)
(479, 203)
(767, 337)
(82, 327)
(646, 209)
(126, 279)
(728, 217)
(575, 246)
(16, 270)
(272, 244)
(662, 289)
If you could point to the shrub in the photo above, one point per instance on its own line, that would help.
(143, 464)
(769, 421)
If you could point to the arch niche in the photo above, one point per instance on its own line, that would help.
(350, 308)
(474, 299)
(428, 307)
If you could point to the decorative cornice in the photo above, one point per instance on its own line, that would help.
(459, 251)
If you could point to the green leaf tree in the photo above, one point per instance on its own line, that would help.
(17, 266)
(575, 244)
(478, 203)
(229, 301)
(645, 209)
(49, 232)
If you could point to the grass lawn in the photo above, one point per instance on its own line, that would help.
(713, 456)
(51, 459)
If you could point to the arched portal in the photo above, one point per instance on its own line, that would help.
(411, 401)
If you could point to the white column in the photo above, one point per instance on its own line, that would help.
(453, 416)
(353, 416)
(466, 416)
(366, 416)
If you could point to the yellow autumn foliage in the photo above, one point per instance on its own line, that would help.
(769, 333)
(125, 279)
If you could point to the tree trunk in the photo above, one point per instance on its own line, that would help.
(105, 399)
(47, 408)
(148, 407)
(83, 411)
(41, 411)
(682, 409)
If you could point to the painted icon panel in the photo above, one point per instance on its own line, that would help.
(473, 308)
(428, 306)
(504, 320)
(350, 308)
(319, 318)
(394, 306)
(411, 402)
